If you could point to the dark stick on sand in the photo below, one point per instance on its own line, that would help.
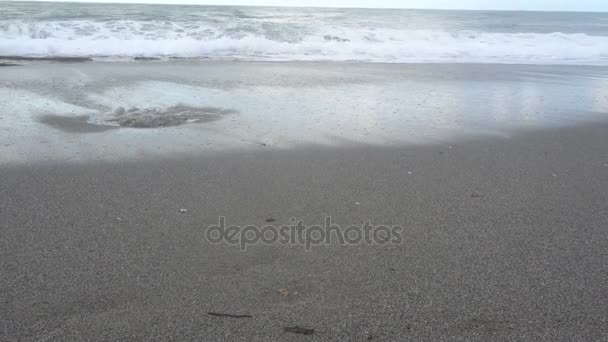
(228, 315)
(298, 330)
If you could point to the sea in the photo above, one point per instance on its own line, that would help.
(127, 31)
(85, 82)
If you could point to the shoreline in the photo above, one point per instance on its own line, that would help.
(75, 59)
(71, 112)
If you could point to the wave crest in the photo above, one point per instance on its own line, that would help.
(268, 41)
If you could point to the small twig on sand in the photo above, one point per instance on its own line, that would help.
(228, 315)
(298, 330)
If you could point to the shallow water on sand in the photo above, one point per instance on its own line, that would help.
(112, 111)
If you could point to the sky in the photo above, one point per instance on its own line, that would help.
(527, 5)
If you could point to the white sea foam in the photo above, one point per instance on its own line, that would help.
(266, 41)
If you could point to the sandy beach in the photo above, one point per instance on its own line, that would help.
(190, 172)
(503, 240)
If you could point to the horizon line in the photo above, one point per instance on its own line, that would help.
(129, 2)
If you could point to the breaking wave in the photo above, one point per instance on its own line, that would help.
(274, 41)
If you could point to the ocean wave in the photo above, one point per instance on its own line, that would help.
(269, 41)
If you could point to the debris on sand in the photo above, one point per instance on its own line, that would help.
(217, 314)
(136, 118)
(172, 116)
(298, 330)
(284, 292)
(183, 211)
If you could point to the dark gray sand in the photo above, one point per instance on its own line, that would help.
(503, 240)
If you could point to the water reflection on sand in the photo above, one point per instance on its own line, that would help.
(82, 111)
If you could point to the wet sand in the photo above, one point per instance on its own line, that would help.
(504, 239)
(69, 112)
